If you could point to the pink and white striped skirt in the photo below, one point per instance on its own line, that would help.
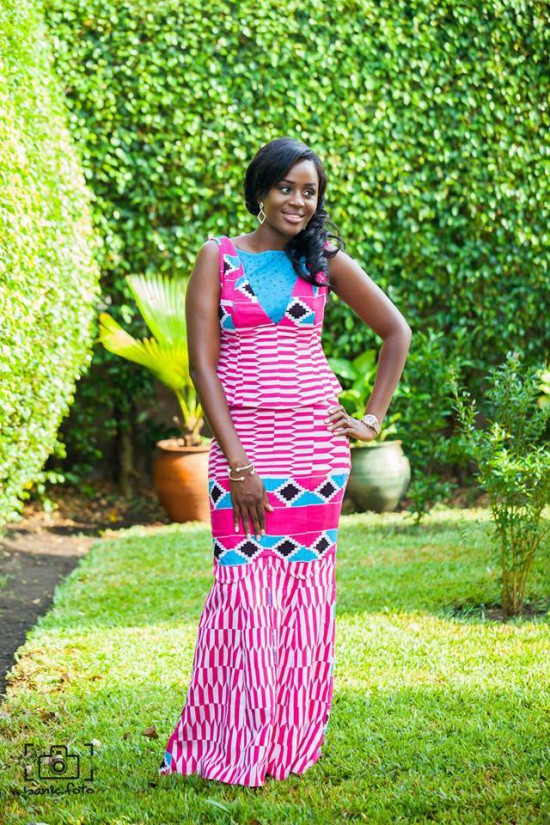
(262, 680)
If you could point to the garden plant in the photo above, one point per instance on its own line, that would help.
(513, 467)
(161, 302)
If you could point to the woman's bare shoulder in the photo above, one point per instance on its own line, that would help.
(207, 263)
(208, 252)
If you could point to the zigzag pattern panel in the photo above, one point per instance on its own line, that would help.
(278, 367)
(262, 681)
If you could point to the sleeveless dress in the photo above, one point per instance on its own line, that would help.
(262, 679)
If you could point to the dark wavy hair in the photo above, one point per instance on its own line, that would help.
(269, 165)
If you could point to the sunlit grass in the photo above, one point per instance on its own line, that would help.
(439, 714)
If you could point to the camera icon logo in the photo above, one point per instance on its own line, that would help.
(58, 764)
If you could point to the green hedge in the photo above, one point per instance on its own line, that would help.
(48, 277)
(431, 119)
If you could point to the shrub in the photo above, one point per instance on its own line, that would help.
(513, 468)
(48, 277)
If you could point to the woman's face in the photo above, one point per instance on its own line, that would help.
(292, 201)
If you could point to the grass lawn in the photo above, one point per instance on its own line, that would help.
(439, 713)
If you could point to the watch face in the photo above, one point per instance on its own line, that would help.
(371, 421)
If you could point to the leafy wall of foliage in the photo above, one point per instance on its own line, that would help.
(431, 119)
(48, 276)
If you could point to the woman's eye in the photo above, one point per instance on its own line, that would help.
(310, 192)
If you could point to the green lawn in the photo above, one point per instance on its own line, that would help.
(439, 715)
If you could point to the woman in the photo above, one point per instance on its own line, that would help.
(261, 688)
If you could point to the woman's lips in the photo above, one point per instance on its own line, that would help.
(293, 218)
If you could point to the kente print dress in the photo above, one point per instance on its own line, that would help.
(261, 689)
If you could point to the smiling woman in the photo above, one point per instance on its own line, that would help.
(261, 689)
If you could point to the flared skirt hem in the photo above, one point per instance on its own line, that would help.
(250, 778)
(263, 674)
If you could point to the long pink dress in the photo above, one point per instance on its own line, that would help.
(262, 681)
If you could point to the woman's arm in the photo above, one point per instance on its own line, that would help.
(203, 345)
(248, 497)
(372, 305)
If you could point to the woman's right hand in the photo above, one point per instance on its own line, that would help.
(250, 501)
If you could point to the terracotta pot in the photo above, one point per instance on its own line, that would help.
(379, 478)
(180, 477)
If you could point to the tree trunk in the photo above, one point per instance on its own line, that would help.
(125, 454)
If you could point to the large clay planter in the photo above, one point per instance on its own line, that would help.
(380, 475)
(180, 477)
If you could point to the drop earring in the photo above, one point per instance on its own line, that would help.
(261, 214)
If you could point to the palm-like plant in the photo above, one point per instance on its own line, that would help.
(161, 302)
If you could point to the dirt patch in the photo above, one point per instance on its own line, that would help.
(494, 612)
(40, 550)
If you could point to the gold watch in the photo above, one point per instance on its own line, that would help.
(371, 421)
